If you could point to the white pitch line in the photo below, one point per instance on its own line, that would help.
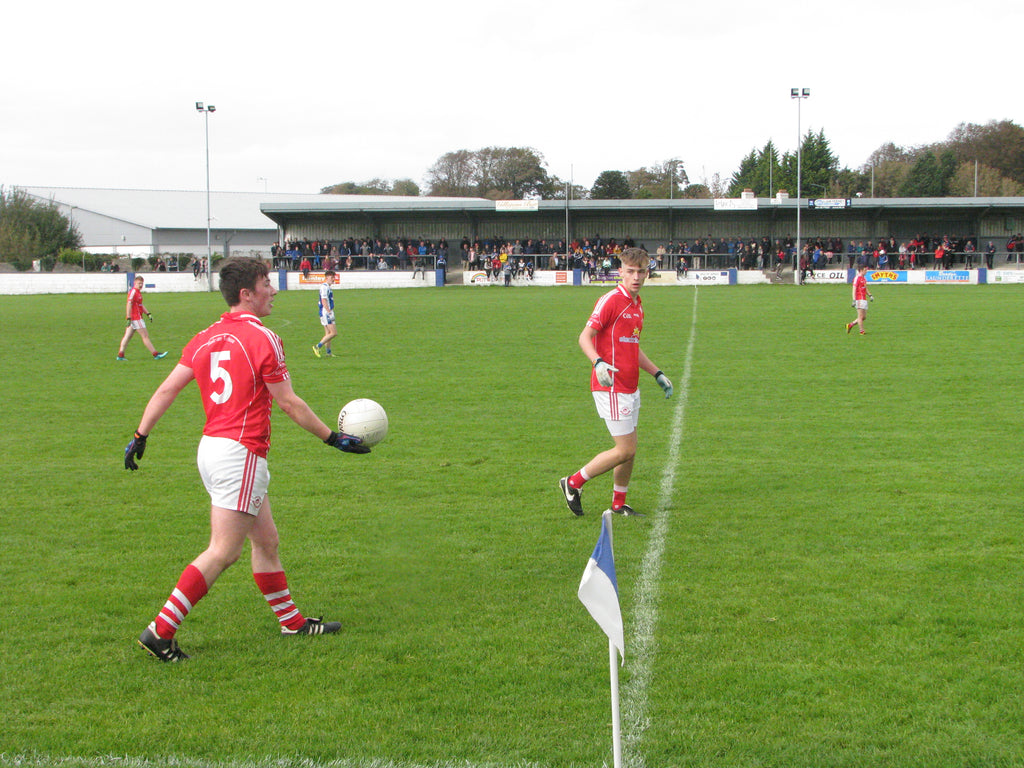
(635, 718)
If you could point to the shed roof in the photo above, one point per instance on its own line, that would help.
(184, 209)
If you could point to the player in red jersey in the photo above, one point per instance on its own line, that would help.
(611, 341)
(134, 310)
(239, 367)
(861, 294)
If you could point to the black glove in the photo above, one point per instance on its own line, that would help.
(134, 450)
(149, 316)
(346, 443)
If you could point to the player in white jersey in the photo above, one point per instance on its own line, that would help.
(326, 309)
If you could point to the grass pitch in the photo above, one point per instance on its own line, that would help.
(841, 581)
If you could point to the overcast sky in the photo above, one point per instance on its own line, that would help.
(313, 93)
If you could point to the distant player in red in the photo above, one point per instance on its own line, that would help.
(611, 341)
(239, 367)
(134, 310)
(861, 294)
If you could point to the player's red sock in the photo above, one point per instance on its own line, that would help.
(576, 481)
(618, 496)
(190, 589)
(274, 587)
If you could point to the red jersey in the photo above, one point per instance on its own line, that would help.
(232, 361)
(860, 288)
(135, 308)
(618, 319)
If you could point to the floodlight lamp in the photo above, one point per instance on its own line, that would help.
(794, 93)
(211, 108)
(199, 106)
(805, 94)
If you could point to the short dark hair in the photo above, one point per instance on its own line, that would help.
(236, 274)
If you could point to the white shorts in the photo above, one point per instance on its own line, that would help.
(138, 325)
(620, 411)
(235, 477)
(861, 304)
(327, 319)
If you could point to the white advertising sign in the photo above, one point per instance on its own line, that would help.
(516, 205)
(735, 204)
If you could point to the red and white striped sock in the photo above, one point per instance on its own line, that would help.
(274, 587)
(190, 589)
(576, 481)
(618, 496)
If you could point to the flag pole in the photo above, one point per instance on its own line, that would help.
(599, 592)
(613, 660)
(613, 674)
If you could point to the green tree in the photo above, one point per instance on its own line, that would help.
(376, 186)
(820, 164)
(660, 181)
(817, 168)
(997, 148)
(759, 171)
(746, 176)
(885, 170)
(497, 173)
(31, 228)
(611, 185)
(405, 188)
(998, 145)
(990, 182)
(511, 173)
(929, 176)
(850, 183)
(696, 192)
(452, 175)
(557, 190)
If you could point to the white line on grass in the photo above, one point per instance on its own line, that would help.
(118, 761)
(635, 717)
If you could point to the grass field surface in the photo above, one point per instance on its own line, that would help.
(829, 572)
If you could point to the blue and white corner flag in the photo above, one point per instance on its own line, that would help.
(599, 591)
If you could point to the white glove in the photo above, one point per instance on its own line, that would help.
(604, 372)
(664, 383)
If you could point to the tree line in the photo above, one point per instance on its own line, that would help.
(33, 229)
(987, 160)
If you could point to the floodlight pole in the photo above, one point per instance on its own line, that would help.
(568, 195)
(799, 94)
(206, 110)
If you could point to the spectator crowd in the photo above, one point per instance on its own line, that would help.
(598, 256)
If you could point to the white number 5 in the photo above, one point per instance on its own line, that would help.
(216, 372)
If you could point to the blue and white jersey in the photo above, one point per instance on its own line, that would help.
(326, 294)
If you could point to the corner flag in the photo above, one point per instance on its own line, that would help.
(599, 591)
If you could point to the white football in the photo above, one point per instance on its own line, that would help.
(364, 418)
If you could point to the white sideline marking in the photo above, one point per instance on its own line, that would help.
(118, 761)
(635, 717)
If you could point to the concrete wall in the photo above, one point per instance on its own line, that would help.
(13, 283)
(362, 279)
